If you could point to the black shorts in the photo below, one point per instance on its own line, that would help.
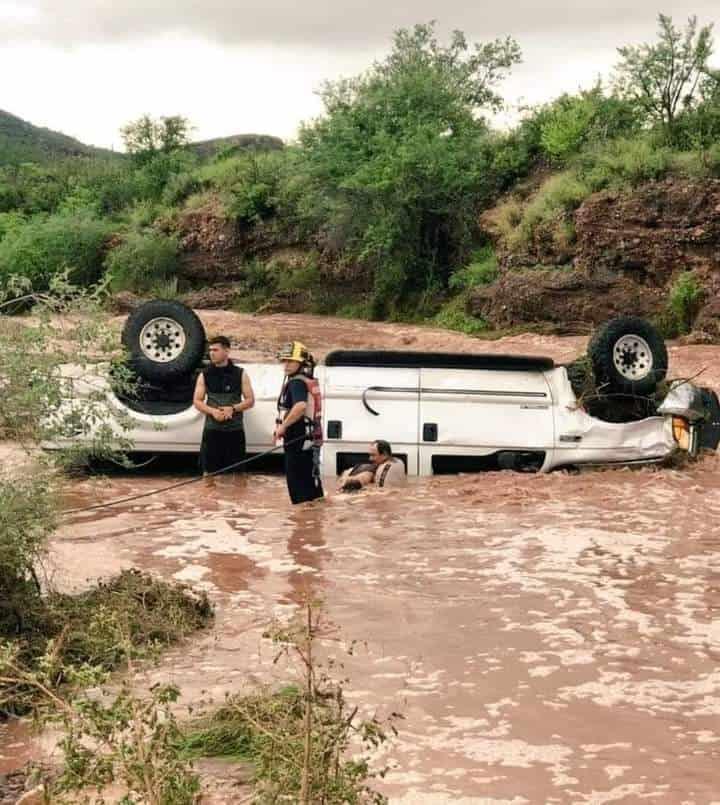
(221, 449)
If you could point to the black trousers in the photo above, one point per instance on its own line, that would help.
(302, 486)
(221, 448)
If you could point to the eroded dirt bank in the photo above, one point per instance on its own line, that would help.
(548, 638)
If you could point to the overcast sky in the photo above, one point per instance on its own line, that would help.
(86, 67)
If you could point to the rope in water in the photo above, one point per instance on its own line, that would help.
(179, 484)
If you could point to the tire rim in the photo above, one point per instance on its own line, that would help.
(632, 357)
(162, 340)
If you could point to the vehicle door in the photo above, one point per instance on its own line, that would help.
(467, 415)
(364, 403)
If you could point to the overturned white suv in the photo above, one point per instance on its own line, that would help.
(441, 412)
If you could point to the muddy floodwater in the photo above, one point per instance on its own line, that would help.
(548, 639)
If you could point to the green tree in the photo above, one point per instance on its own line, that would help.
(35, 252)
(146, 136)
(143, 261)
(398, 166)
(665, 77)
(571, 121)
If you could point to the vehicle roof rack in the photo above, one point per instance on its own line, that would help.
(438, 360)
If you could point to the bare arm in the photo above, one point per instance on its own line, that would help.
(350, 483)
(295, 414)
(248, 394)
(199, 399)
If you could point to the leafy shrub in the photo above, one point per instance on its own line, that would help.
(113, 183)
(105, 186)
(300, 279)
(454, 316)
(10, 198)
(141, 755)
(154, 176)
(684, 301)
(482, 270)
(567, 128)
(44, 248)
(143, 260)
(220, 173)
(250, 180)
(354, 310)
(625, 163)
(27, 518)
(306, 742)
(699, 128)
(143, 214)
(573, 121)
(702, 163)
(179, 187)
(253, 202)
(514, 154)
(81, 201)
(34, 189)
(127, 617)
(10, 221)
(564, 192)
(259, 283)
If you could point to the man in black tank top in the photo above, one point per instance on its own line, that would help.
(222, 392)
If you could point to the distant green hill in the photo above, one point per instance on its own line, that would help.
(263, 142)
(21, 141)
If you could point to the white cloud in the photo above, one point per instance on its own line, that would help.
(17, 14)
(86, 67)
(330, 23)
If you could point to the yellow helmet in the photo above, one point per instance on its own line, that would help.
(295, 351)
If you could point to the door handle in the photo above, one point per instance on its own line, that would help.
(430, 432)
(384, 388)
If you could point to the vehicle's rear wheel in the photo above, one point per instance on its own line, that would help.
(628, 356)
(166, 340)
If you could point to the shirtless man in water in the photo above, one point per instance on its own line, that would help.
(381, 469)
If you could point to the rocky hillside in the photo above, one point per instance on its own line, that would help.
(626, 252)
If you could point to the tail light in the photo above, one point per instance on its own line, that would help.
(681, 432)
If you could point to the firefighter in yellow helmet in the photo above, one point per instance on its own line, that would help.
(298, 422)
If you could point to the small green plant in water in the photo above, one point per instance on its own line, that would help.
(454, 316)
(299, 738)
(130, 616)
(116, 739)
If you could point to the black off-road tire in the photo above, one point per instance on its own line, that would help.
(156, 400)
(166, 340)
(628, 356)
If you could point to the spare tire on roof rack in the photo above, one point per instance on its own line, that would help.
(165, 339)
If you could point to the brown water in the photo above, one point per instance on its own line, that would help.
(548, 638)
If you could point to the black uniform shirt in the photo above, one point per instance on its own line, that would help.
(294, 392)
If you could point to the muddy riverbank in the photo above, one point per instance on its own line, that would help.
(548, 638)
